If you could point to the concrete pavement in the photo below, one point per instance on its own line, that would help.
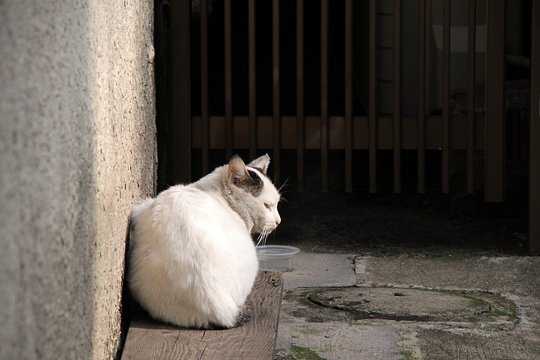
(349, 306)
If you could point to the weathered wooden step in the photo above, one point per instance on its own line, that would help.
(255, 339)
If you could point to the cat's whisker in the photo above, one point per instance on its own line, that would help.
(283, 185)
(260, 238)
(263, 236)
(266, 233)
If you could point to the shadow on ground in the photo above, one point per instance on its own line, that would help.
(389, 224)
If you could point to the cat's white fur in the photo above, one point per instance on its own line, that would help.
(192, 259)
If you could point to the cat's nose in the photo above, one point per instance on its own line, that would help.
(278, 221)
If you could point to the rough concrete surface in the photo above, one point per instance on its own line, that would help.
(312, 269)
(77, 149)
(336, 341)
(519, 275)
(475, 307)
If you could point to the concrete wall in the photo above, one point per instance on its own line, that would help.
(77, 149)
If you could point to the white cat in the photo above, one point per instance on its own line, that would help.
(192, 258)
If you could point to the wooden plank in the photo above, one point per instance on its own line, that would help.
(252, 81)
(228, 81)
(265, 127)
(421, 83)
(276, 105)
(495, 163)
(385, 132)
(313, 132)
(179, 139)
(534, 191)
(337, 132)
(471, 69)
(361, 132)
(300, 94)
(204, 86)
(397, 98)
(348, 95)
(409, 132)
(288, 132)
(150, 339)
(445, 154)
(324, 96)
(373, 96)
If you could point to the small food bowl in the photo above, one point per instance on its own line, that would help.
(276, 257)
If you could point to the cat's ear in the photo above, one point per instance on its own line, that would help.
(243, 178)
(261, 163)
(237, 168)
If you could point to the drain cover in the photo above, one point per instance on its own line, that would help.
(401, 304)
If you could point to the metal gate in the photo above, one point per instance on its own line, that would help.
(376, 92)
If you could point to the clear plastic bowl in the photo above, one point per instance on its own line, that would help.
(276, 257)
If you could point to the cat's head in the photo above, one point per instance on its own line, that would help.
(255, 195)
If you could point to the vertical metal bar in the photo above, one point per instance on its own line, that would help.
(494, 123)
(397, 96)
(471, 68)
(179, 147)
(446, 99)
(228, 81)
(534, 174)
(276, 107)
(348, 94)
(324, 95)
(421, 155)
(372, 96)
(204, 87)
(300, 126)
(252, 81)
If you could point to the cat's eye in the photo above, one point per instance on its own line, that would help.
(268, 206)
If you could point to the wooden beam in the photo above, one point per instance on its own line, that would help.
(534, 197)
(179, 139)
(471, 69)
(204, 86)
(252, 81)
(495, 163)
(373, 96)
(397, 97)
(445, 153)
(348, 94)
(421, 86)
(324, 96)
(337, 133)
(300, 140)
(276, 110)
(228, 80)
